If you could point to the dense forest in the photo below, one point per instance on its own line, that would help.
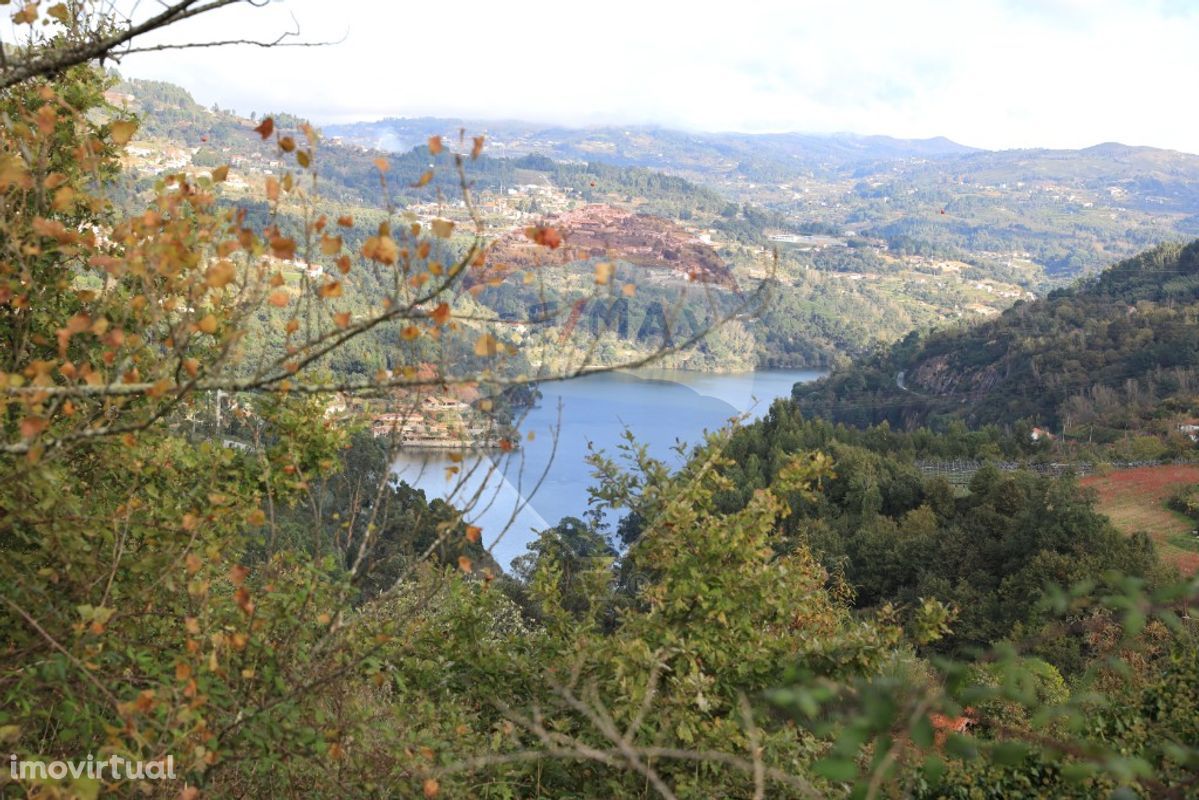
(1108, 360)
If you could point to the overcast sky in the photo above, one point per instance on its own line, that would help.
(990, 73)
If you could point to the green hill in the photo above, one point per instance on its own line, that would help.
(1109, 358)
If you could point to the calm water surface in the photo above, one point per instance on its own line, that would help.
(661, 408)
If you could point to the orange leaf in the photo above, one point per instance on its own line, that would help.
(382, 165)
(32, 426)
(265, 128)
(279, 298)
(272, 189)
(287, 144)
(331, 289)
(345, 221)
(237, 574)
(220, 174)
(342, 320)
(477, 150)
(219, 274)
(544, 236)
(441, 314)
(434, 145)
(431, 787)
(424, 179)
(464, 563)
(207, 324)
(472, 533)
(330, 245)
(442, 228)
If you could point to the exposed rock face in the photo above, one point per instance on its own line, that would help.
(600, 231)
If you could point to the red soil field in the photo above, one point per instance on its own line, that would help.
(1135, 500)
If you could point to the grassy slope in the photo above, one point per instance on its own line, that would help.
(1135, 500)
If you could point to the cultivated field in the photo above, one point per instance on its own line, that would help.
(1135, 500)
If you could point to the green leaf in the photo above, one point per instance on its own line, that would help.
(836, 769)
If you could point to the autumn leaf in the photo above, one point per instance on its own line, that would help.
(477, 150)
(441, 314)
(330, 245)
(628, 290)
(26, 16)
(283, 247)
(423, 180)
(603, 272)
(32, 426)
(303, 159)
(265, 128)
(208, 324)
(220, 174)
(220, 274)
(464, 563)
(330, 290)
(279, 298)
(122, 131)
(272, 189)
(382, 165)
(434, 144)
(431, 787)
(442, 228)
(237, 574)
(287, 144)
(342, 320)
(345, 221)
(59, 12)
(544, 236)
(486, 346)
(472, 533)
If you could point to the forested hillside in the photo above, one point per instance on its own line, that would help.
(1110, 358)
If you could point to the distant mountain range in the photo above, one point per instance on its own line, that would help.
(1069, 211)
(654, 147)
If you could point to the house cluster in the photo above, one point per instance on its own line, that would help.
(435, 422)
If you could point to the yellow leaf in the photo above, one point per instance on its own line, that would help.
(331, 289)
(59, 12)
(27, 15)
(303, 159)
(434, 144)
(220, 174)
(122, 131)
(442, 228)
(486, 346)
(287, 144)
(208, 324)
(330, 245)
(603, 273)
(629, 290)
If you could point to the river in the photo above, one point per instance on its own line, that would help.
(661, 407)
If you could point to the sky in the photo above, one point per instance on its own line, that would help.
(989, 73)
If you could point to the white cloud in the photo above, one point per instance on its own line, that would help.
(994, 73)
